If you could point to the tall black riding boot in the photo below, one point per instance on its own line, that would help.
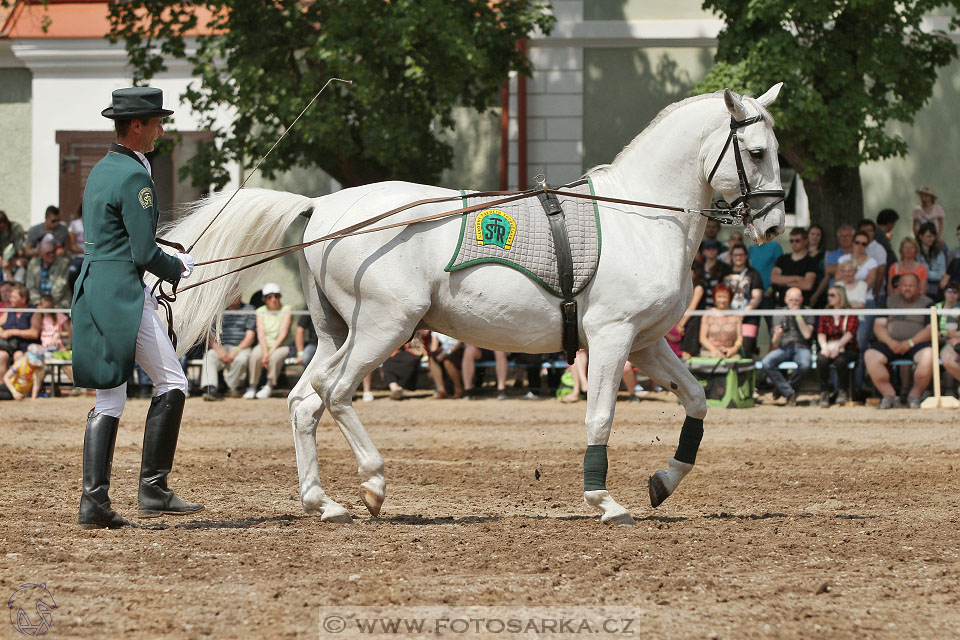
(98, 442)
(159, 444)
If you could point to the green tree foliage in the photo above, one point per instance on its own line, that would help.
(411, 63)
(850, 68)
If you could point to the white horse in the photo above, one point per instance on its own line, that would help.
(367, 294)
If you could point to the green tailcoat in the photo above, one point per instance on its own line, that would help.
(120, 218)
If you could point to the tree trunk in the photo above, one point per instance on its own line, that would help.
(836, 197)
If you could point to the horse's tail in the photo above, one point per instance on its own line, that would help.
(254, 220)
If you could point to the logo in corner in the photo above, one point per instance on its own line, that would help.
(145, 197)
(495, 227)
(30, 608)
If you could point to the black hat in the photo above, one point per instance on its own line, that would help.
(136, 102)
(709, 244)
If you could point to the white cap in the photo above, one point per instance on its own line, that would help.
(270, 287)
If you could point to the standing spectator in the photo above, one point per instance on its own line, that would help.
(909, 252)
(11, 240)
(816, 251)
(25, 376)
(714, 271)
(689, 326)
(51, 224)
(949, 333)
(710, 233)
(796, 269)
(230, 354)
(273, 335)
(836, 336)
(763, 257)
(75, 245)
(736, 239)
(17, 328)
(790, 340)
(844, 249)
(928, 211)
(721, 336)
(305, 340)
(747, 287)
(902, 337)
(49, 274)
(934, 259)
(886, 221)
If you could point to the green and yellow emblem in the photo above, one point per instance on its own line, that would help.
(146, 197)
(495, 227)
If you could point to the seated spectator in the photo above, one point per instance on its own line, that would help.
(721, 336)
(855, 289)
(400, 369)
(17, 328)
(468, 368)
(689, 326)
(75, 246)
(796, 269)
(955, 252)
(747, 287)
(273, 336)
(909, 252)
(934, 259)
(902, 337)
(51, 225)
(953, 270)
(25, 376)
(711, 233)
(230, 354)
(877, 251)
(675, 341)
(735, 240)
(837, 337)
(816, 251)
(578, 373)
(56, 333)
(49, 274)
(867, 267)
(445, 355)
(6, 287)
(950, 330)
(305, 340)
(790, 340)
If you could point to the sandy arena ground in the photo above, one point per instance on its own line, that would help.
(795, 523)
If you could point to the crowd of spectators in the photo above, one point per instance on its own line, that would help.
(863, 271)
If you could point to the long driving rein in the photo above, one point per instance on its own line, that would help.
(738, 212)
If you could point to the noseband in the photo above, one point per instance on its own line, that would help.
(740, 210)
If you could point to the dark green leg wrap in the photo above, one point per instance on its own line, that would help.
(690, 437)
(595, 468)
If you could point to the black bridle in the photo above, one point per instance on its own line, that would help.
(740, 210)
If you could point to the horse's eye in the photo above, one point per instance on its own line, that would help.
(756, 154)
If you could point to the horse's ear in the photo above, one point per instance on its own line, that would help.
(771, 95)
(734, 106)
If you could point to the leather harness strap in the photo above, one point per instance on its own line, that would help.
(561, 247)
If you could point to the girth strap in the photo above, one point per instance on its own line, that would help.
(561, 247)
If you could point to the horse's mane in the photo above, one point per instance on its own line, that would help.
(666, 111)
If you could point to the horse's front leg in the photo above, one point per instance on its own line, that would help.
(660, 363)
(607, 355)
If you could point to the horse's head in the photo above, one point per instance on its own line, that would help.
(741, 164)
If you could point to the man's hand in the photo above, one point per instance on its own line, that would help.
(186, 260)
(732, 351)
(900, 347)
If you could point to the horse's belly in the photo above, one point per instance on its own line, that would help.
(496, 307)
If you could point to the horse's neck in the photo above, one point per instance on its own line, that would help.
(664, 167)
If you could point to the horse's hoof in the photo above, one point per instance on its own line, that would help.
(336, 515)
(623, 519)
(372, 501)
(658, 490)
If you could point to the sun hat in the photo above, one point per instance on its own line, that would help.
(927, 190)
(136, 102)
(270, 287)
(35, 354)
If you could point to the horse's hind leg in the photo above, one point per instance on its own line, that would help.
(660, 363)
(305, 411)
(305, 405)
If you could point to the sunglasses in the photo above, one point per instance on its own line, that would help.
(861, 243)
(952, 290)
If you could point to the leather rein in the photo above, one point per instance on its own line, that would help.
(736, 213)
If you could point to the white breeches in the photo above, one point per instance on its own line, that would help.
(155, 353)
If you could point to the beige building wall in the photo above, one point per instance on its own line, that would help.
(15, 127)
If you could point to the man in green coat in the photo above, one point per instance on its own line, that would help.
(114, 314)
